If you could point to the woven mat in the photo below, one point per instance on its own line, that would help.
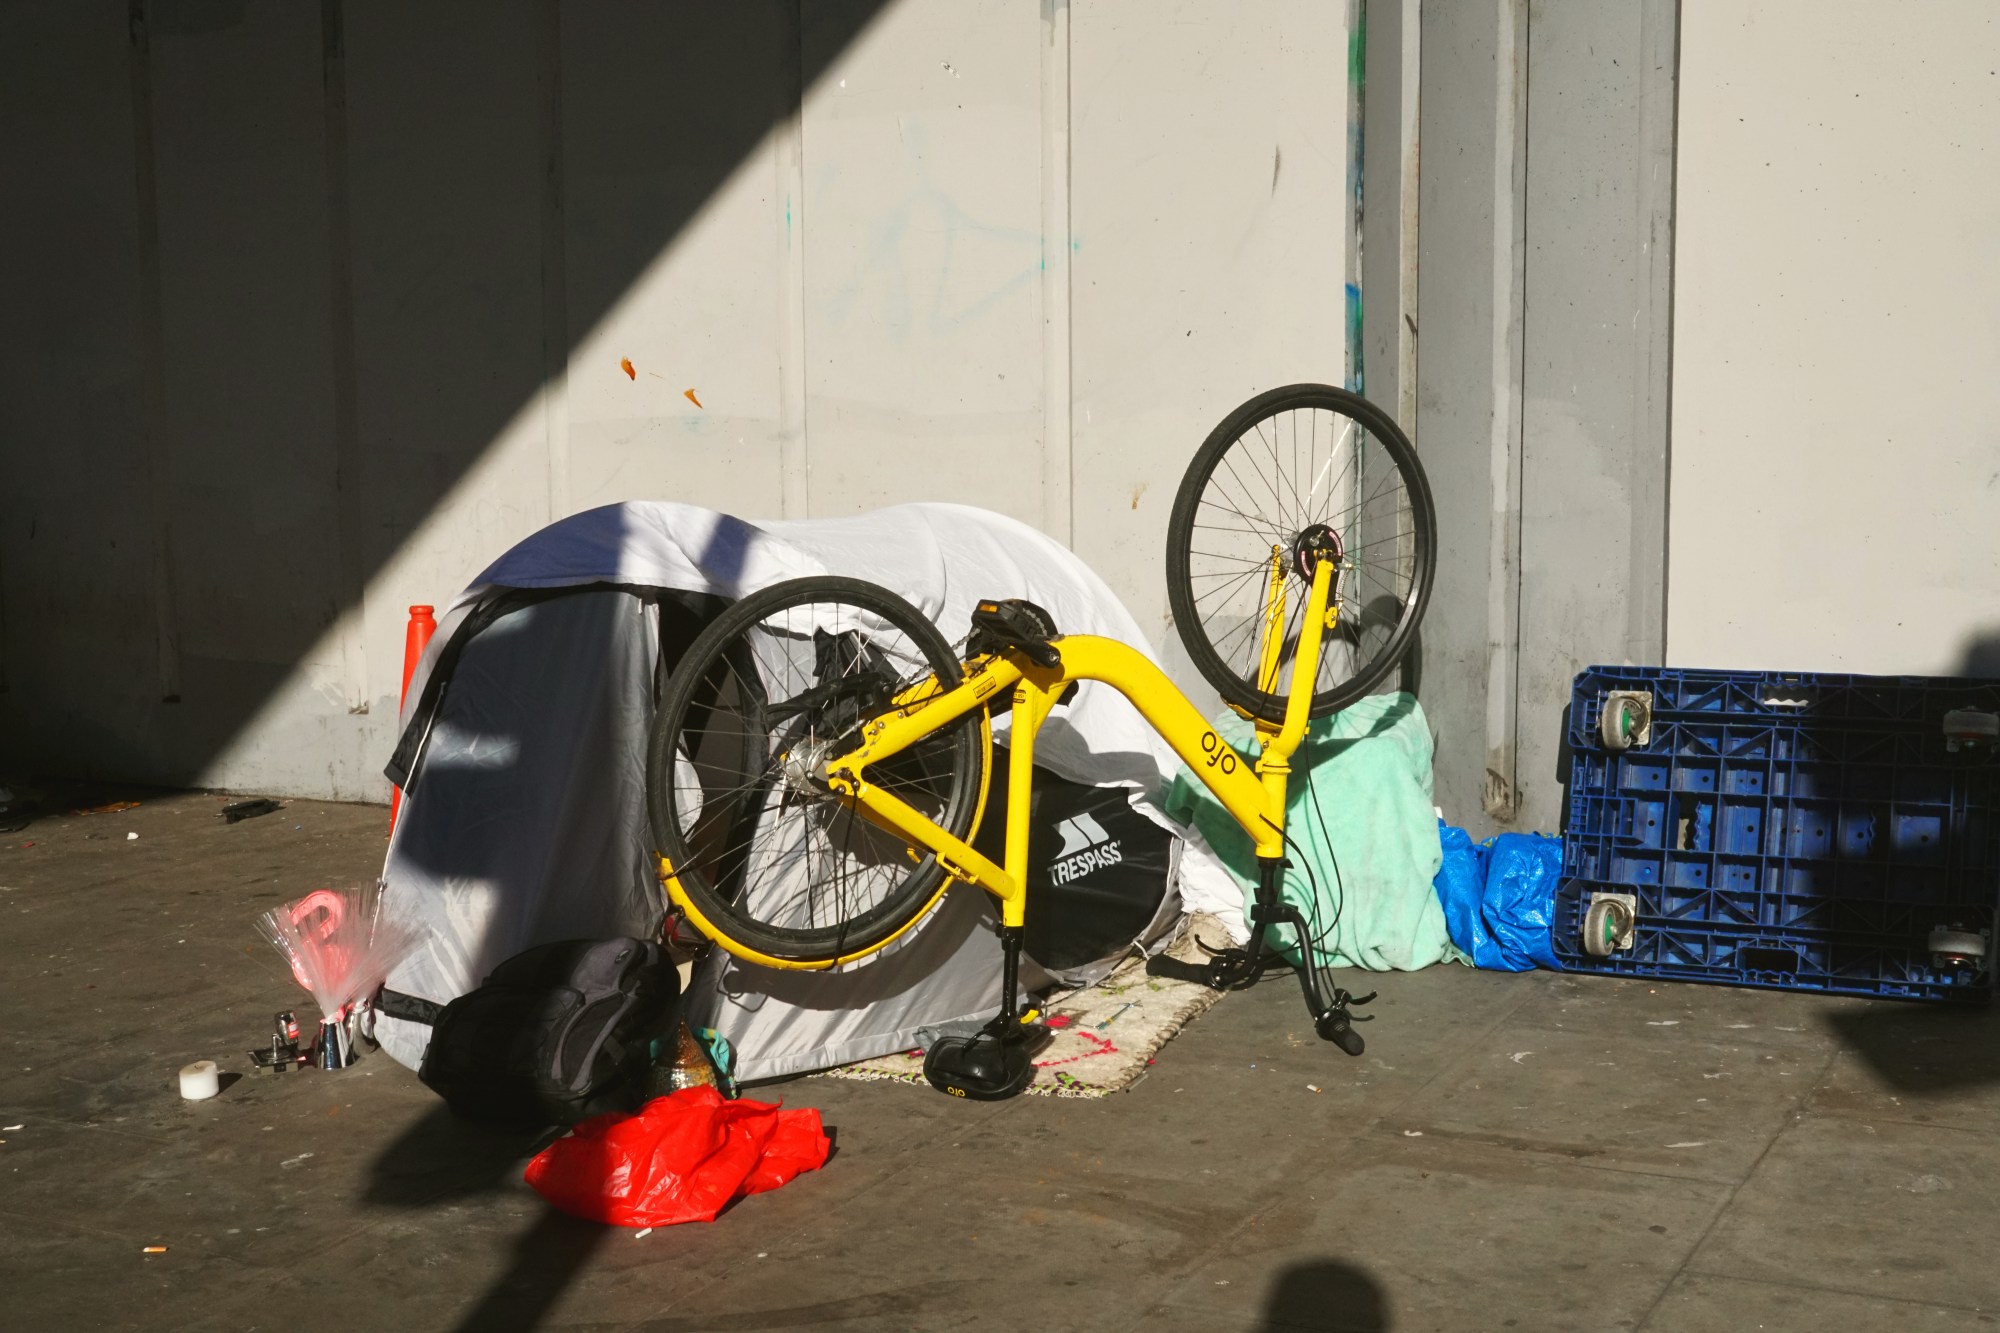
(1106, 1035)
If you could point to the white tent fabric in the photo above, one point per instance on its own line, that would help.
(526, 816)
(942, 558)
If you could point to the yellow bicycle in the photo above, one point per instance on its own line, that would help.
(820, 755)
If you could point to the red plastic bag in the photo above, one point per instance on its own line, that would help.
(682, 1158)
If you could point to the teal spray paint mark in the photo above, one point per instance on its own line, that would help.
(1354, 375)
(881, 285)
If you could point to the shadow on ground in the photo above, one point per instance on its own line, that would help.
(1922, 1051)
(1326, 1294)
(441, 1159)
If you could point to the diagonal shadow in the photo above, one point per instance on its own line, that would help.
(345, 245)
(441, 1159)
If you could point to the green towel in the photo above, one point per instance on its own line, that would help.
(1368, 769)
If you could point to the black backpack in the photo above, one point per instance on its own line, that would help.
(556, 1034)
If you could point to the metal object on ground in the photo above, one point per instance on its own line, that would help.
(1114, 1016)
(334, 1049)
(283, 1052)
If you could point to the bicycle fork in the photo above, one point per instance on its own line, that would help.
(1235, 969)
(1330, 1017)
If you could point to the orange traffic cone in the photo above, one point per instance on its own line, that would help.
(422, 626)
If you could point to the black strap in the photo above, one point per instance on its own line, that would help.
(403, 763)
(411, 1008)
(1159, 965)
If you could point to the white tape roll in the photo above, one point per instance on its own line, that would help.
(200, 1080)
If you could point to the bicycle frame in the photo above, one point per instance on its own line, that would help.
(1255, 799)
(850, 761)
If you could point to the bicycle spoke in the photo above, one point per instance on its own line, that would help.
(1247, 494)
(1240, 581)
(1278, 469)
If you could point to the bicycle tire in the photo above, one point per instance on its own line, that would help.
(748, 749)
(1394, 511)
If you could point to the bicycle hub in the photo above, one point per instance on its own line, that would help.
(1312, 545)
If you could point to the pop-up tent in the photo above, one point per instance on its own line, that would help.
(523, 762)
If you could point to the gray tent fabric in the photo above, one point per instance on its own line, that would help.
(524, 823)
(524, 816)
(780, 1023)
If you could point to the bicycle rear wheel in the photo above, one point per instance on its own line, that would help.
(774, 861)
(1280, 474)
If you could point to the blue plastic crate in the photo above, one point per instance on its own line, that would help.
(1802, 831)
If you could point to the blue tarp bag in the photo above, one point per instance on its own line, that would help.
(1522, 871)
(1499, 895)
(1461, 883)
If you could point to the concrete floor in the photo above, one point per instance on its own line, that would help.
(1533, 1152)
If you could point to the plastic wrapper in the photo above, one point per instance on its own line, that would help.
(1499, 897)
(682, 1158)
(337, 944)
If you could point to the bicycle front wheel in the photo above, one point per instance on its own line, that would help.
(1303, 468)
(774, 861)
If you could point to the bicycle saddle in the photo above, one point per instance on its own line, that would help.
(991, 1065)
(1014, 623)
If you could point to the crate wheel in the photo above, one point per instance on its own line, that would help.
(1621, 722)
(1605, 922)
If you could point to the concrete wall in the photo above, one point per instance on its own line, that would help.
(1812, 186)
(1209, 215)
(1836, 415)
(1390, 197)
(1542, 306)
(327, 306)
